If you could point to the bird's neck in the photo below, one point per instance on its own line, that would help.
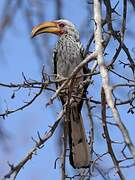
(69, 37)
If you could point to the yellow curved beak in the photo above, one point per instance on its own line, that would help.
(46, 27)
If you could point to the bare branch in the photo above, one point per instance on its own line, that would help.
(105, 77)
(107, 136)
(39, 143)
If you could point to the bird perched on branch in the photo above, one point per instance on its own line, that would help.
(68, 53)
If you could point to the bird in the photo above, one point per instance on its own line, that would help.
(67, 54)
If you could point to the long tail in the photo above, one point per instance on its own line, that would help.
(79, 150)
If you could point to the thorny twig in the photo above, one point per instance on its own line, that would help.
(107, 136)
(7, 112)
(105, 78)
(14, 170)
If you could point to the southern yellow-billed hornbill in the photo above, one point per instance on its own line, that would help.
(68, 53)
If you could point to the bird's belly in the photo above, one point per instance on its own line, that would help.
(67, 63)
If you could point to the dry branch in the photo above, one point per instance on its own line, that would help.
(105, 77)
(14, 170)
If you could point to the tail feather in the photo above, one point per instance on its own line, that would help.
(79, 150)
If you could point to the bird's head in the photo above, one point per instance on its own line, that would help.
(58, 27)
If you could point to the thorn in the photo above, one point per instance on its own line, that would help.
(10, 165)
(49, 103)
(41, 140)
(13, 95)
(34, 141)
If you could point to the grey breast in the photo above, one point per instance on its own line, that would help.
(68, 55)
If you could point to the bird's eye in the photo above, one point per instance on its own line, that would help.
(61, 25)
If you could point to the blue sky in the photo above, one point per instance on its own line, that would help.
(17, 55)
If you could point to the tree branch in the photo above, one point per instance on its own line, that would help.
(14, 170)
(105, 77)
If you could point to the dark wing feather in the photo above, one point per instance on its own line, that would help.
(83, 54)
(85, 71)
(55, 61)
(55, 64)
